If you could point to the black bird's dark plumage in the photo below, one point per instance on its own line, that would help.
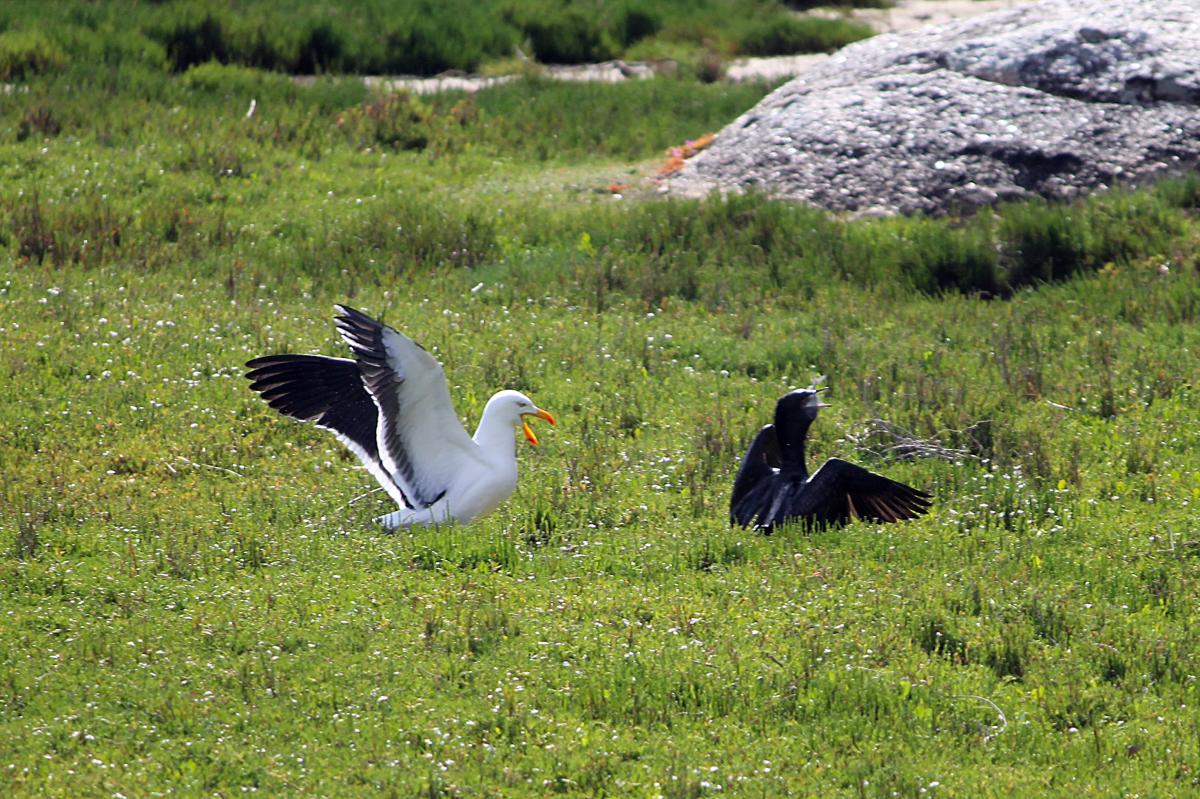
(773, 485)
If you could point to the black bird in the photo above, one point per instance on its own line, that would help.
(773, 485)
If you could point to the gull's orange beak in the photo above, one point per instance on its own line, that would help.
(539, 413)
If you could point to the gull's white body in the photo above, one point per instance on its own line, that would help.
(486, 478)
(391, 407)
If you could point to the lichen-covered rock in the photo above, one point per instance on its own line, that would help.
(1054, 99)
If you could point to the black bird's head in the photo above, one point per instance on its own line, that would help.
(794, 413)
(802, 404)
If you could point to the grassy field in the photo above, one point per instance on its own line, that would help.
(195, 601)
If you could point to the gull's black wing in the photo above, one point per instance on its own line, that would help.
(420, 440)
(330, 393)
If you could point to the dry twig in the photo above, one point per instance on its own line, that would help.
(883, 439)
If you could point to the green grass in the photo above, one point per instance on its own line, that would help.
(195, 601)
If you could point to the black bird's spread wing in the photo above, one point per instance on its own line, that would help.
(329, 392)
(839, 490)
(773, 486)
(762, 461)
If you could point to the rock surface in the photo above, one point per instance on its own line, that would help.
(1054, 99)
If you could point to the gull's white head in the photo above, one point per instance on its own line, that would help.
(515, 408)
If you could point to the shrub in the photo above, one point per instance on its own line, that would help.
(321, 50)
(400, 121)
(423, 48)
(412, 36)
(1182, 192)
(1124, 224)
(640, 118)
(947, 257)
(447, 36)
(570, 33)
(783, 34)
(805, 5)
(567, 36)
(39, 120)
(24, 54)
(1042, 242)
(232, 80)
(636, 24)
(191, 40)
(111, 46)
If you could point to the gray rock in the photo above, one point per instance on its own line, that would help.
(1054, 99)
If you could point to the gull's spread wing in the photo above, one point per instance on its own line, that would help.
(330, 393)
(420, 441)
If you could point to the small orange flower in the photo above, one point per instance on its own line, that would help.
(677, 155)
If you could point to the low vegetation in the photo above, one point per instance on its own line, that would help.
(408, 37)
(194, 600)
